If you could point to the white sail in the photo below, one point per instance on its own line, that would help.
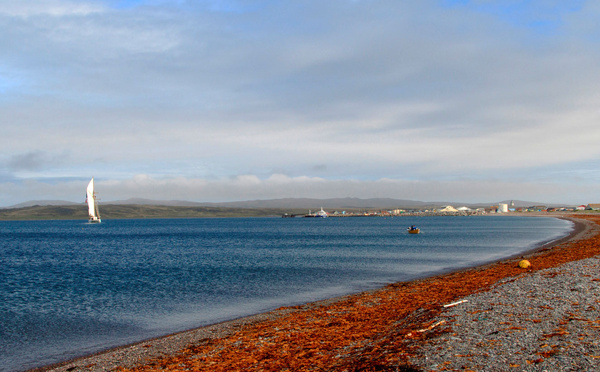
(92, 204)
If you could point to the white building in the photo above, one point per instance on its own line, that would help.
(449, 209)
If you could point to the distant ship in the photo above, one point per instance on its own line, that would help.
(92, 203)
(321, 213)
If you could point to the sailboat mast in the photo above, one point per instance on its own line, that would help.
(96, 205)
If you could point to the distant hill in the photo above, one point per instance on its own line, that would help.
(524, 204)
(32, 203)
(339, 203)
(145, 208)
(331, 203)
(112, 211)
(306, 203)
(171, 203)
(292, 203)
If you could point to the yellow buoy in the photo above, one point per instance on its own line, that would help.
(524, 264)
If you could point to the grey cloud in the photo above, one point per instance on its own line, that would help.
(28, 162)
(36, 162)
(373, 89)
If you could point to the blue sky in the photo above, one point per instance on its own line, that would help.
(469, 101)
(542, 16)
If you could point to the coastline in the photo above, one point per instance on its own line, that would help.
(547, 320)
(339, 333)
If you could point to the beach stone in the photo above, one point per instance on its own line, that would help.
(546, 320)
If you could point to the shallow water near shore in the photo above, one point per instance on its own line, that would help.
(68, 288)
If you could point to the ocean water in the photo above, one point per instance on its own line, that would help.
(69, 288)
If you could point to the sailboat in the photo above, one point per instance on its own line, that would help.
(92, 203)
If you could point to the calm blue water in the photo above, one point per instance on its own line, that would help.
(68, 288)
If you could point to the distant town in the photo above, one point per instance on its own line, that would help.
(346, 207)
(449, 210)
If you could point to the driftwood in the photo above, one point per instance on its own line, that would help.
(456, 303)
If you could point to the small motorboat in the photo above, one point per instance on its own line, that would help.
(414, 230)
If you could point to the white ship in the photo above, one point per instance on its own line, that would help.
(92, 203)
(321, 213)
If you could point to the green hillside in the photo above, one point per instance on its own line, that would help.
(79, 212)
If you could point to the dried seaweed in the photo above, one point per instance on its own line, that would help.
(374, 331)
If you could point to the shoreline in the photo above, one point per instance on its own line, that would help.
(217, 335)
(546, 319)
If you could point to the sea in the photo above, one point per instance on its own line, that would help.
(69, 288)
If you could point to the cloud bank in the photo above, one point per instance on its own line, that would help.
(205, 101)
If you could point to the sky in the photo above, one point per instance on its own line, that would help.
(467, 100)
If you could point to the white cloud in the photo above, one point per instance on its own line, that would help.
(329, 92)
(250, 187)
(54, 8)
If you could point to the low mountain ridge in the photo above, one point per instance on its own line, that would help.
(293, 203)
(142, 208)
(43, 203)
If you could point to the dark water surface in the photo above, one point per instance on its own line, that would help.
(68, 288)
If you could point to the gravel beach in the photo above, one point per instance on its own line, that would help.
(548, 320)
(509, 319)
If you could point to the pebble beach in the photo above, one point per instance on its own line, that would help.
(501, 318)
(549, 320)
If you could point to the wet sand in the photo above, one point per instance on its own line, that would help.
(382, 329)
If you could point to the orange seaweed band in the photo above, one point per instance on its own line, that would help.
(367, 331)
